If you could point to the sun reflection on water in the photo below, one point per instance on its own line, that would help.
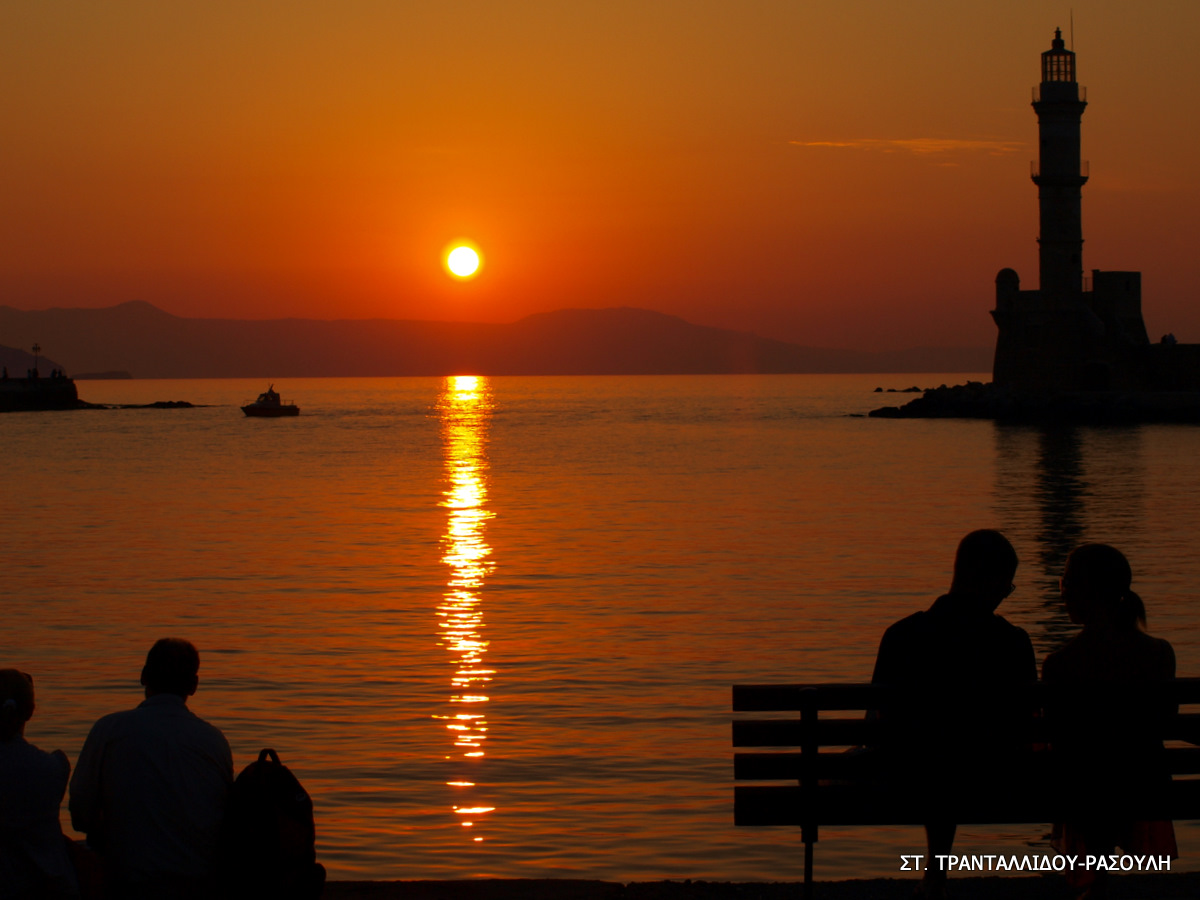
(465, 408)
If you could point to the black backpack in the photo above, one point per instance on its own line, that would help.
(270, 840)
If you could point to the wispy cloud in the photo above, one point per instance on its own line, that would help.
(920, 146)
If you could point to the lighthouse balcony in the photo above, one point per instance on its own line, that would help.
(1059, 91)
(1060, 178)
(1035, 170)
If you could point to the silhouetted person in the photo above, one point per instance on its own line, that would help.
(33, 852)
(151, 785)
(1107, 744)
(944, 733)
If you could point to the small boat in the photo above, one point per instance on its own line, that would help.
(268, 404)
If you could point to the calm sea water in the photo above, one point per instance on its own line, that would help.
(493, 624)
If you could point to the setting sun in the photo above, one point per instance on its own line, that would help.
(463, 261)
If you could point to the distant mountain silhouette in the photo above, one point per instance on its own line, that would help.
(142, 339)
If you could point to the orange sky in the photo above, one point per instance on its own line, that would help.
(835, 174)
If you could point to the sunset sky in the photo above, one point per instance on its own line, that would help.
(848, 173)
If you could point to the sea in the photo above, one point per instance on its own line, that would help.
(492, 623)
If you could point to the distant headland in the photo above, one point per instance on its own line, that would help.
(147, 342)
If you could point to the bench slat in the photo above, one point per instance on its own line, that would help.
(782, 805)
(1185, 727)
(842, 732)
(789, 697)
(792, 732)
(1183, 760)
(785, 766)
(758, 805)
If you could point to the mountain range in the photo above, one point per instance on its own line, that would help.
(141, 339)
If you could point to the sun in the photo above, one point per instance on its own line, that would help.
(463, 260)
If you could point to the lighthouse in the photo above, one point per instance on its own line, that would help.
(1059, 174)
(1073, 349)
(1067, 336)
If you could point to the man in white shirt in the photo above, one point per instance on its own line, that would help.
(151, 783)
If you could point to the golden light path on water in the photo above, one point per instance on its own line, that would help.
(465, 408)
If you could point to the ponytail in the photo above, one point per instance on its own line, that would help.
(16, 702)
(1131, 611)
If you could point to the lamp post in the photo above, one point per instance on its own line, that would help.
(36, 350)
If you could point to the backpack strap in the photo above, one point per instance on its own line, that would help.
(267, 751)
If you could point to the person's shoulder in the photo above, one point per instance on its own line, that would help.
(208, 726)
(1012, 649)
(209, 733)
(216, 746)
(1007, 629)
(1161, 645)
(57, 765)
(20, 755)
(114, 721)
(917, 622)
(60, 761)
(1159, 656)
(1055, 663)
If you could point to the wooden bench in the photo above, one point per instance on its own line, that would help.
(819, 783)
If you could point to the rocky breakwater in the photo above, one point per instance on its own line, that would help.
(976, 400)
(34, 393)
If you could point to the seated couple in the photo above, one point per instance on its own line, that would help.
(960, 648)
(149, 790)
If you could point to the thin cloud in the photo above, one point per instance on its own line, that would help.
(920, 146)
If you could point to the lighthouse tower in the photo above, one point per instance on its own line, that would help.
(1066, 336)
(1059, 174)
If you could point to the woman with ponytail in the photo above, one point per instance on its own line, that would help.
(1113, 646)
(33, 852)
(1105, 736)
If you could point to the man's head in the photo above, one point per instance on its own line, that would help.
(172, 667)
(984, 567)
